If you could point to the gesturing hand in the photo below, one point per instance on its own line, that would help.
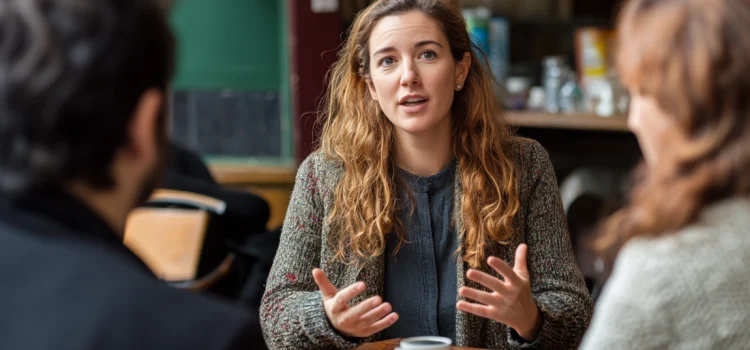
(510, 301)
(362, 320)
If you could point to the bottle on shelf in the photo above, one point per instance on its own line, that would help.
(554, 67)
(571, 95)
(477, 23)
(499, 43)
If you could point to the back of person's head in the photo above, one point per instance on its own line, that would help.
(690, 61)
(357, 134)
(72, 74)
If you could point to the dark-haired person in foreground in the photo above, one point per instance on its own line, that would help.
(82, 141)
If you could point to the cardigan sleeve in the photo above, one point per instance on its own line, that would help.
(557, 284)
(292, 312)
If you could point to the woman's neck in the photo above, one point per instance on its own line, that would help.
(426, 153)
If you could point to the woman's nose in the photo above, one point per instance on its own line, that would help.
(409, 75)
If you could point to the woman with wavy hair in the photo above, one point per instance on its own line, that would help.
(420, 213)
(681, 276)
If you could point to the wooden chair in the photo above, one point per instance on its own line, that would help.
(169, 233)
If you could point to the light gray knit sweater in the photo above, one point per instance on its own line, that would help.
(292, 313)
(690, 290)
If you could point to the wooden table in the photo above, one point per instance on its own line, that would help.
(393, 343)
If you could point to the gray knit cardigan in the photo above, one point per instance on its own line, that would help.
(292, 310)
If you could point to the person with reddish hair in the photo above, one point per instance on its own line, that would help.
(679, 250)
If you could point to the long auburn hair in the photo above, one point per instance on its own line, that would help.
(693, 57)
(357, 134)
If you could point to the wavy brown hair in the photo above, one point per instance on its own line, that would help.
(357, 134)
(693, 57)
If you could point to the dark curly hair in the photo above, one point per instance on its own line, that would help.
(71, 75)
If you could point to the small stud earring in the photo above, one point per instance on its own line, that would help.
(458, 87)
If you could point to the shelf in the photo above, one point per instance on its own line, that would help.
(568, 121)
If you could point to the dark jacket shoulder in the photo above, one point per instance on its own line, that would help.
(63, 291)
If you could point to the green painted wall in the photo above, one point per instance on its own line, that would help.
(236, 44)
(233, 44)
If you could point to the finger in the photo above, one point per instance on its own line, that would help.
(362, 308)
(326, 287)
(503, 269)
(376, 313)
(477, 295)
(343, 296)
(520, 266)
(476, 309)
(491, 282)
(384, 323)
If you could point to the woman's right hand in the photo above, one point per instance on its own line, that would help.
(362, 320)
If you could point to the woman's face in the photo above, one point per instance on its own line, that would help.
(656, 130)
(413, 74)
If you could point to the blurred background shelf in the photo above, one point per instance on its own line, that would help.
(568, 121)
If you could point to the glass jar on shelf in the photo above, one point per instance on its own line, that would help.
(536, 99)
(518, 92)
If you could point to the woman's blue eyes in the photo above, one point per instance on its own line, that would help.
(430, 54)
(427, 55)
(387, 61)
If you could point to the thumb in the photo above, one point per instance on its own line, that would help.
(520, 266)
(327, 288)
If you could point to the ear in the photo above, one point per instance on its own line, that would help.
(143, 127)
(371, 87)
(462, 69)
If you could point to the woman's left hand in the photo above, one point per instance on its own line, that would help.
(510, 301)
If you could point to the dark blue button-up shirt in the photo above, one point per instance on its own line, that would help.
(420, 279)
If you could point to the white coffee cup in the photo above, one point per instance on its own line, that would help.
(425, 343)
